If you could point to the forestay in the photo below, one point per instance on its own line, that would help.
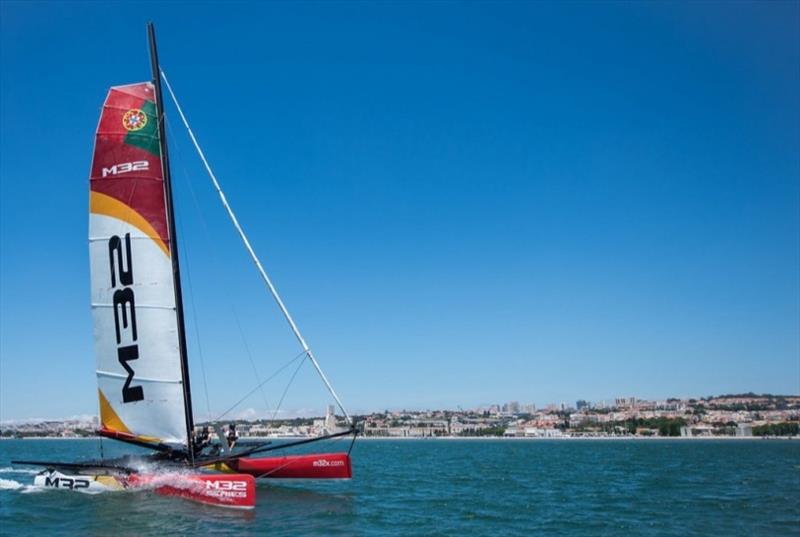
(133, 299)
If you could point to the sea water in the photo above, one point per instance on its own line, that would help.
(452, 487)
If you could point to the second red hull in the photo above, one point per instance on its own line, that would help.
(315, 466)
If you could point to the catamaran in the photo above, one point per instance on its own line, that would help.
(139, 332)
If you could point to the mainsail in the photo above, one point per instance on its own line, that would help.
(136, 327)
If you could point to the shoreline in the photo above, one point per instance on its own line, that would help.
(475, 438)
(579, 438)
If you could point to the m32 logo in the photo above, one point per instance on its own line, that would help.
(226, 489)
(66, 483)
(126, 167)
(226, 485)
(121, 265)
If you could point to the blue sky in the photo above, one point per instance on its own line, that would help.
(461, 203)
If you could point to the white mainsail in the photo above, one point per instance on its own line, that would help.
(139, 373)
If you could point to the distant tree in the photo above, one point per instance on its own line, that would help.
(777, 429)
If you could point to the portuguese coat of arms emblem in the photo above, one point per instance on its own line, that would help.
(134, 119)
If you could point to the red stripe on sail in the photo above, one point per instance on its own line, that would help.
(123, 167)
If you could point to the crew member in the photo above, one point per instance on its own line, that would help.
(202, 440)
(233, 436)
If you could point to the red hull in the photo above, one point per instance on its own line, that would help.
(316, 466)
(238, 491)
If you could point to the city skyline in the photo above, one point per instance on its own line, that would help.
(725, 416)
(510, 406)
(460, 203)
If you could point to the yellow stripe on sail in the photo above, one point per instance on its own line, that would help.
(111, 420)
(106, 205)
(108, 418)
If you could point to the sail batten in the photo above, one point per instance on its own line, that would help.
(138, 378)
(139, 373)
(138, 306)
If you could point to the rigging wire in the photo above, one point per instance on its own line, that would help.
(250, 357)
(262, 272)
(196, 324)
(286, 389)
(207, 234)
(251, 392)
(260, 385)
(187, 264)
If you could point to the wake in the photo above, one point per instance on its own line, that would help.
(12, 470)
(10, 484)
(147, 481)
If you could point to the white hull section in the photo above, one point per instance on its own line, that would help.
(51, 479)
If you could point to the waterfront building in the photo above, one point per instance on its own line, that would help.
(330, 420)
(744, 429)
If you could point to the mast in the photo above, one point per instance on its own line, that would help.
(176, 273)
